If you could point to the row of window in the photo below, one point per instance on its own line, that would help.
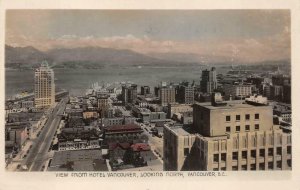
(238, 128)
(253, 153)
(238, 117)
(261, 166)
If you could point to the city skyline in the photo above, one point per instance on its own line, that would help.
(109, 101)
(209, 35)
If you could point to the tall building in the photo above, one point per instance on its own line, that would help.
(124, 94)
(103, 105)
(132, 93)
(185, 93)
(129, 93)
(208, 82)
(145, 90)
(44, 87)
(232, 135)
(276, 92)
(167, 95)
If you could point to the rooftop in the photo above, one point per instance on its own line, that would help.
(123, 127)
(179, 129)
(230, 105)
(78, 160)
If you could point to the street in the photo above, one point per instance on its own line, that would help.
(155, 142)
(37, 156)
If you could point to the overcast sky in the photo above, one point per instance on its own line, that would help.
(244, 35)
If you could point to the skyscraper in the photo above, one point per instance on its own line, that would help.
(208, 82)
(44, 87)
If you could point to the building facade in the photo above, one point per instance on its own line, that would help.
(238, 91)
(145, 90)
(178, 108)
(229, 136)
(129, 93)
(208, 81)
(44, 87)
(185, 94)
(167, 95)
(103, 105)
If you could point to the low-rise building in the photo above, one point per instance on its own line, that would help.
(147, 116)
(77, 139)
(238, 90)
(16, 134)
(27, 104)
(118, 121)
(79, 160)
(124, 133)
(90, 114)
(178, 108)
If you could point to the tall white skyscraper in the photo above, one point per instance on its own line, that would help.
(44, 87)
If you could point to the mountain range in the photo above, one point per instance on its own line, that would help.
(98, 57)
(86, 57)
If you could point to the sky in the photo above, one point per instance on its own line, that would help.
(231, 35)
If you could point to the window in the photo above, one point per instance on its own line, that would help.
(270, 152)
(256, 126)
(289, 162)
(247, 127)
(237, 128)
(253, 153)
(228, 118)
(270, 165)
(244, 167)
(253, 167)
(289, 150)
(237, 117)
(262, 152)
(256, 116)
(234, 168)
(186, 151)
(216, 169)
(223, 169)
(244, 154)
(261, 166)
(223, 157)
(228, 129)
(278, 164)
(216, 157)
(247, 117)
(235, 156)
(278, 150)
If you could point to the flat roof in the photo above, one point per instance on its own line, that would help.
(230, 105)
(83, 160)
(178, 129)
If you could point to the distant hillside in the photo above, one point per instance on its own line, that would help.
(23, 56)
(97, 58)
(190, 57)
(90, 57)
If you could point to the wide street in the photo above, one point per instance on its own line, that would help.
(155, 142)
(37, 156)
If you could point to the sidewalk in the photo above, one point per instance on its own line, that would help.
(19, 158)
